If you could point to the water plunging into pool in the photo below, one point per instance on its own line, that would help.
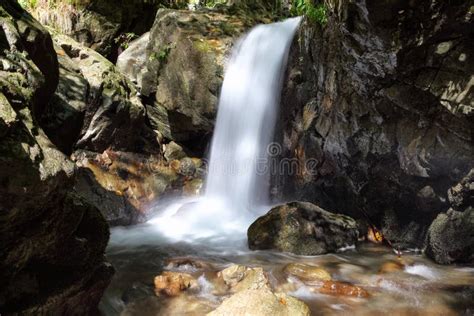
(212, 229)
(237, 186)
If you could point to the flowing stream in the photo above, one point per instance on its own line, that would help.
(211, 230)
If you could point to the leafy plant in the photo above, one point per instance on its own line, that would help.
(316, 13)
(164, 52)
(124, 39)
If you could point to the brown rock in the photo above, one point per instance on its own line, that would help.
(342, 289)
(261, 302)
(173, 283)
(391, 266)
(307, 273)
(240, 278)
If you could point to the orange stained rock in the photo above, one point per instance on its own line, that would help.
(173, 283)
(391, 266)
(374, 236)
(342, 289)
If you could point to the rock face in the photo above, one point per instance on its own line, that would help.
(183, 69)
(52, 255)
(450, 238)
(125, 185)
(103, 25)
(95, 107)
(377, 110)
(302, 228)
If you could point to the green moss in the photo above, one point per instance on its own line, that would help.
(316, 13)
(203, 46)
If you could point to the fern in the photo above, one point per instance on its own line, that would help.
(315, 13)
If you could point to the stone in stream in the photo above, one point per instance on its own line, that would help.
(302, 228)
(450, 238)
(261, 302)
(342, 289)
(240, 278)
(391, 266)
(173, 283)
(307, 273)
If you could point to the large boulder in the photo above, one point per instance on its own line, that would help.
(302, 228)
(47, 232)
(261, 302)
(376, 110)
(450, 238)
(95, 107)
(183, 69)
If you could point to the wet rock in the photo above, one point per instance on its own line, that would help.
(187, 167)
(193, 187)
(173, 283)
(391, 266)
(261, 302)
(47, 232)
(302, 228)
(449, 237)
(174, 151)
(380, 121)
(342, 289)
(187, 263)
(123, 185)
(240, 278)
(307, 273)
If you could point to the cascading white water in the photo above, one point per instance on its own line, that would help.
(236, 186)
(247, 114)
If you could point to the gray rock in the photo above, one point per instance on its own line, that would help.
(303, 229)
(365, 98)
(174, 151)
(450, 239)
(184, 69)
(133, 59)
(47, 232)
(95, 107)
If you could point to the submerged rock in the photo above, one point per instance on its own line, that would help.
(391, 266)
(261, 302)
(302, 228)
(173, 283)
(307, 273)
(342, 289)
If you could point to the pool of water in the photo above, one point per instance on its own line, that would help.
(420, 287)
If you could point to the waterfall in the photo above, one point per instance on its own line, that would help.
(248, 108)
(237, 184)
